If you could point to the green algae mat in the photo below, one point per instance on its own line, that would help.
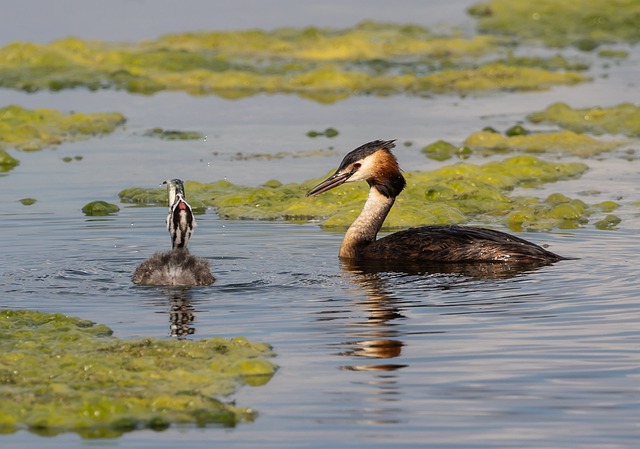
(567, 143)
(620, 119)
(7, 162)
(457, 193)
(35, 129)
(325, 65)
(581, 23)
(331, 64)
(60, 374)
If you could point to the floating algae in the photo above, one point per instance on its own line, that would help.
(7, 162)
(283, 154)
(441, 150)
(329, 132)
(98, 208)
(608, 222)
(453, 194)
(493, 76)
(621, 119)
(606, 206)
(367, 41)
(325, 65)
(35, 129)
(563, 142)
(517, 130)
(560, 24)
(613, 54)
(28, 201)
(59, 374)
(553, 63)
(171, 134)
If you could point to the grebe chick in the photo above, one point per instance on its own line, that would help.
(177, 267)
(180, 219)
(373, 162)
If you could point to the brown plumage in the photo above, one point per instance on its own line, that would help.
(373, 162)
(455, 244)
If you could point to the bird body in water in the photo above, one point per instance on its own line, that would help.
(177, 267)
(375, 163)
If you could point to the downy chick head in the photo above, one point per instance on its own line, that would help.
(174, 187)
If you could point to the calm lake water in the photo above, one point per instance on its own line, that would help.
(546, 358)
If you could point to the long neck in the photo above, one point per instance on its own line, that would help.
(180, 223)
(364, 229)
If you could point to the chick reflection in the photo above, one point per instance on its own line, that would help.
(181, 314)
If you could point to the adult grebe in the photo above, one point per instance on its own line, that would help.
(176, 267)
(373, 162)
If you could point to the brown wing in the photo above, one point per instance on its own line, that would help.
(457, 244)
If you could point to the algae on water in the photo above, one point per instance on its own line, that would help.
(442, 150)
(493, 76)
(583, 24)
(561, 142)
(60, 374)
(28, 201)
(452, 194)
(328, 132)
(283, 154)
(7, 162)
(620, 119)
(172, 134)
(99, 208)
(325, 65)
(35, 129)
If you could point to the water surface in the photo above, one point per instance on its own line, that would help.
(477, 358)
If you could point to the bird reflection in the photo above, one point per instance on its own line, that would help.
(378, 349)
(180, 308)
(382, 312)
(181, 314)
(375, 344)
(484, 271)
(383, 308)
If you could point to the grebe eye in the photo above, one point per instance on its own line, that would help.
(357, 165)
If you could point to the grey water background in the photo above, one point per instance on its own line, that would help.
(547, 358)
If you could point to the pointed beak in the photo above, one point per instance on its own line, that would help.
(174, 188)
(329, 183)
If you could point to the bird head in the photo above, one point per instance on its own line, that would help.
(174, 187)
(372, 162)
